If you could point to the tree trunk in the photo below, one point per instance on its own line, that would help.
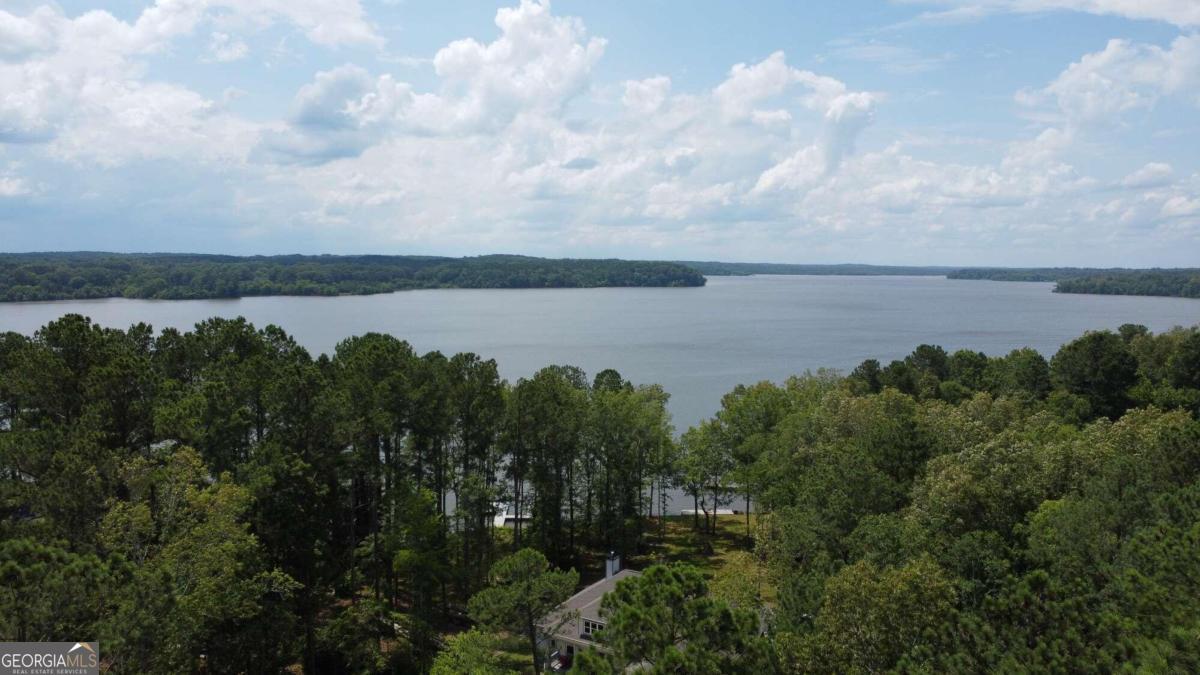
(533, 650)
(747, 515)
(310, 654)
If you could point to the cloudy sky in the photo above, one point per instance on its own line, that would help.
(1011, 132)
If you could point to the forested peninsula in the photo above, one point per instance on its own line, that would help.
(220, 500)
(1180, 283)
(66, 276)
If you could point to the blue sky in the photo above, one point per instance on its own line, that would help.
(1005, 132)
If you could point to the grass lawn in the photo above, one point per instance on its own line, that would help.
(514, 653)
(681, 543)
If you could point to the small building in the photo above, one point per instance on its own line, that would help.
(503, 516)
(563, 639)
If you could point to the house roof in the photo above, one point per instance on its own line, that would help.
(587, 603)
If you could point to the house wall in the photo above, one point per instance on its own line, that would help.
(560, 643)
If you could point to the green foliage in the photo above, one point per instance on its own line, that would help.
(524, 589)
(1099, 368)
(1176, 283)
(472, 652)
(218, 500)
(870, 617)
(665, 617)
(1183, 282)
(62, 276)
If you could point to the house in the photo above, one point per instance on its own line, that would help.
(503, 516)
(573, 626)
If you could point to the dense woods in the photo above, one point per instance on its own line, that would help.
(1175, 283)
(1030, 273)
(66, 276)
(61, 276)
(1180, 283)
(221, 501)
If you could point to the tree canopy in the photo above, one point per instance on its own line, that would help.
(218, 500)
(62, 276)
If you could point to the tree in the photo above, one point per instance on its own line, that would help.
(1184, 364)
(476, 407)
(665, 617)
(705, 466)
(1098, 367)
(870, 617)
(210, 591)
(1022, 373)
(739, 582)
(748, 416)
(471, 652)
(524, 591)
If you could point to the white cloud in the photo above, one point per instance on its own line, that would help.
(22, 37)
(891, 58)
(646, 96)
(224, 48)
(1183, 13)
(539, 62)
(1124, 76)
(534, 68)
(1179, 206)
(79, 82)
(1153, 174)
(844, 113)
(507, 145)
(13, 186)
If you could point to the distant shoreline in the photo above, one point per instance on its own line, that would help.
(88, 276)
(42, 277)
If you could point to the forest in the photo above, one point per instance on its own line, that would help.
(67, 276)
(1174, 283)
(219, 500)
(1179, 283)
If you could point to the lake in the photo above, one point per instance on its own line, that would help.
(697, 342)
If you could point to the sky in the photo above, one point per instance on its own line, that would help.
(950, 132)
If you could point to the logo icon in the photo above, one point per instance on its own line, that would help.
(49, 658)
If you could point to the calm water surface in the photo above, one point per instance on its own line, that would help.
(697, 342)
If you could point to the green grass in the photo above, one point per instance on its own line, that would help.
(681, 543)
(514, 653)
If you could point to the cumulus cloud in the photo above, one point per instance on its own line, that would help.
(79, 82)
(1123, 76)
(844, 114)
(339, 114)
(765, 157)
(646, 96)
(534, 68)
(539, 62)
(507, 145)
(1152, 174)
(22, 37)
(1180, 206)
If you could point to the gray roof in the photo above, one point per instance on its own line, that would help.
(586, 603)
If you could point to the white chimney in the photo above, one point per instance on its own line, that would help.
(612, 565)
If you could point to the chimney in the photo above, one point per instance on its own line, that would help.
(612, 565)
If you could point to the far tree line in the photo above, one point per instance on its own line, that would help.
(66, 276)
(85, 275)
(1180, 283)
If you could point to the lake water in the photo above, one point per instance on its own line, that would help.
(697, 342)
